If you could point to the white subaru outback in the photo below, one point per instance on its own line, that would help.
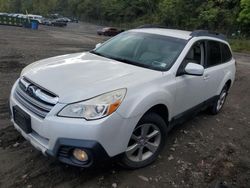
(123, 97)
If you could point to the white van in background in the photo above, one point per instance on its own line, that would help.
(36, 17)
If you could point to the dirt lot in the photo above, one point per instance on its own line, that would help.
(200, 153)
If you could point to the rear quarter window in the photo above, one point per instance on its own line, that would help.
(213, 53)
(225, 53)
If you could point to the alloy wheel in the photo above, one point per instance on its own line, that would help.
(221, 100)
(143, 143)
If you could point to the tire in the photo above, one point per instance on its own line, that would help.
(137, 154)
(219, 103)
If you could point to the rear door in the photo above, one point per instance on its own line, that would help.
(216, 63)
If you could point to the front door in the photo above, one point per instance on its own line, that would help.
(189, 88)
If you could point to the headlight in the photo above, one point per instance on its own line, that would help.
(95, 108)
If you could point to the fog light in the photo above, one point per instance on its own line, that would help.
(80, 155)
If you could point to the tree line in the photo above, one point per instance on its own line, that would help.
(227, 16)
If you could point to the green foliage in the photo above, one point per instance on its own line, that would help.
(219, 15)
(226, 16)
(239, 45)
(244, 15)
(179, 13)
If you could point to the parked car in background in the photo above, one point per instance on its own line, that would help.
(47, 21)
(52, 21)
(65, 19)
(74, 20)
(59, 23)
(109, 31)
(62, 20)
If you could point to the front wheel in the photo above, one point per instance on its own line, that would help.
(146, 142)
(219, 103)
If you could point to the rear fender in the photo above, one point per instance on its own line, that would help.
(226, 78)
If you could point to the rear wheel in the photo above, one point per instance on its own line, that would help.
(146, 142)
(219, 103)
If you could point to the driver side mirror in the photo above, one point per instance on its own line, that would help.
(194, 69)
(98, 45)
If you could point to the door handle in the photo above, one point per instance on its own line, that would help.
(206, 77)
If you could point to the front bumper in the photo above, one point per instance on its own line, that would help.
(101, 138)
(64, 147)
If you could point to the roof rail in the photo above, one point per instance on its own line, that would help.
(199, 33)
(150, 26)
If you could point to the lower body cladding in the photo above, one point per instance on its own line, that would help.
(73, 141)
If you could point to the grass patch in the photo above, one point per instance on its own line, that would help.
(240, 45)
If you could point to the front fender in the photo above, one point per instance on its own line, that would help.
(139, 104)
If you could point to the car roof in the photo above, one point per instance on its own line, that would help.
(109, 28)
(186, 35)
(166, 32)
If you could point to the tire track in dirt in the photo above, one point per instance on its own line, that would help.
(11, 63)
(4, 110)
(10, 136)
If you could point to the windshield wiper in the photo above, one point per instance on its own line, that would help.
(97, 53)
(130, 62)
(122, 60)
(100, 54)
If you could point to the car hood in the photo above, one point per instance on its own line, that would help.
(76, 77)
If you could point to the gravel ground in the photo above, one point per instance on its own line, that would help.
(202, 152)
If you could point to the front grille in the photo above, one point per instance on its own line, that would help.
(26, 94)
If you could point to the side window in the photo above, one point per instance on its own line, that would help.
(213, 53)
(225, 53)
(195, 55)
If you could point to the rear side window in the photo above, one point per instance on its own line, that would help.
(213, 53)
(225, 53)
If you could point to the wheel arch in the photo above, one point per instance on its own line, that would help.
(161, 110)
(228, 84)
(228, 81)
(153, 100)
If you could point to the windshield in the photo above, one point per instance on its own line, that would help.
(141, 49)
